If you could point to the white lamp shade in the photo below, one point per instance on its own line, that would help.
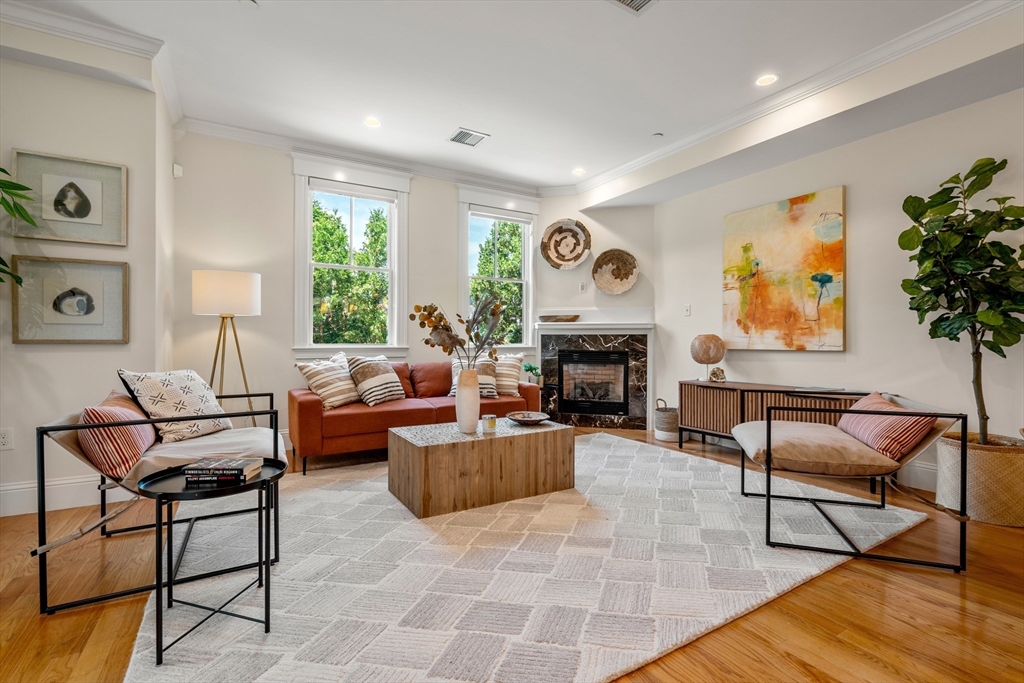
(225, 292)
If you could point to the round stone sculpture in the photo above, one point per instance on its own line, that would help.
(565, 244)
(615, 271)
(707, 349)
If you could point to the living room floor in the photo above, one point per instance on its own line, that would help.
(863, 621)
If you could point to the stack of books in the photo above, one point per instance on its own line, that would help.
(220, 471)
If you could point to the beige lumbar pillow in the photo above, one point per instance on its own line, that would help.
(375, 380)
(330, 380)
(487, 373)
(509, 370)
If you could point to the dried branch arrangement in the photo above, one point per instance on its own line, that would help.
(481, 330)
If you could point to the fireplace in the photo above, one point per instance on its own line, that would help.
(593, 382)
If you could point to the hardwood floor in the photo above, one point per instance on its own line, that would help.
(863, 621)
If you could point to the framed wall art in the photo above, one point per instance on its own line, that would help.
(784, 279)
(69, 301)
(79, 200)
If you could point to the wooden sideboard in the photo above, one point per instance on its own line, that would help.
(714, 408)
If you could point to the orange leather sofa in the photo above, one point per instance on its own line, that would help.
(359, 427)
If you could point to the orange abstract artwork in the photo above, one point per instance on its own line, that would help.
(783, 275)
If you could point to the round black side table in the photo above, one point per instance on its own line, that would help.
(168, 487)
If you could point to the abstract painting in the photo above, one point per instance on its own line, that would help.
(783, 267)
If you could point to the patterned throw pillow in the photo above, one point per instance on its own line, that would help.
(177, 393)
(330, 380)
(509, 370)
(894, 436)
(115, 450)
(487, 373)
(375, 380)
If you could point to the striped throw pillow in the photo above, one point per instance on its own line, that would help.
(375, 380)
(115, 450)
(509, 369)
(487, 373)
(894, 436)
(330, 380)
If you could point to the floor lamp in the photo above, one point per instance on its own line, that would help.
(226, 293)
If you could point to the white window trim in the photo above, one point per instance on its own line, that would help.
(527, 217)
(328, 174)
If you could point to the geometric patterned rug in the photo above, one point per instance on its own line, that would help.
(652, 549)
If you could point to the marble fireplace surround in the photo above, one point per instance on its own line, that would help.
(600, 330)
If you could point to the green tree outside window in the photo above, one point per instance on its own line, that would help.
(499, 270)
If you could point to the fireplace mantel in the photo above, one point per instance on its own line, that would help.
(596, 327)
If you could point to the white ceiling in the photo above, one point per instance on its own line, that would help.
(558, 84)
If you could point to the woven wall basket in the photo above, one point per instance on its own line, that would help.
(565, 244)
(615, 271)
(995, 478)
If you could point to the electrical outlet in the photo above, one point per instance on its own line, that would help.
(583, 287)
(6, 440)
(686, 311)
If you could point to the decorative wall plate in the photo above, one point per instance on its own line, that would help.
(565, 244)
(615, 271)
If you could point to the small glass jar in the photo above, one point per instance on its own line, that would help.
(490, 423)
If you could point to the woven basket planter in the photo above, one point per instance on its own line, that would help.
(666, 421)
(995, 478)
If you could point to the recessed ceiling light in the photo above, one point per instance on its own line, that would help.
(371, 122)
(579, 171)
(767, 79)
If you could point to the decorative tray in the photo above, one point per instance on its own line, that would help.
(527, 417)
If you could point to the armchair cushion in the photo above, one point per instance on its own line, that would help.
(115, 450)
(177, 393)
(812, 448)
(893, 436)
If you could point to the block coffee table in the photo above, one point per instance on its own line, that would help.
(436, 469)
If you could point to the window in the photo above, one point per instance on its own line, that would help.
(498, 261)
(350, 259)
(351, 273)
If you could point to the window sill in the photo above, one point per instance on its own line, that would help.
(328, 350)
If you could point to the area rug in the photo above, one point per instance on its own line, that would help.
(652, 549)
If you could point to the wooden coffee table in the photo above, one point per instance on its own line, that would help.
(436, 469)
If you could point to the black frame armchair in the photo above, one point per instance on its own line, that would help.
(45, 547)
(886, 479)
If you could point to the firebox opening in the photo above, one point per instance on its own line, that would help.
(593, 382)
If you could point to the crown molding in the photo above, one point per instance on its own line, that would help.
(39, 19)
(295, 145)
(557, 190)
(943, 27)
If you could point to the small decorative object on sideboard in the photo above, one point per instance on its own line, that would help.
(615, 271)
(565, 244)
(482, 331)
(528, 417)
(708, 349)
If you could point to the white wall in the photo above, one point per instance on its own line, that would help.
(885, 347)
(629, 228)
(164, 240)
(60, 113)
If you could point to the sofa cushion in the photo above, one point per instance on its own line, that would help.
(330, 380)
(812, 448)
(891, 436)
(359, 418)
(509, 371)
(248, 442)
(402, 370)
(487, 377)
(501, 406)
(431, 379)
(376, 381)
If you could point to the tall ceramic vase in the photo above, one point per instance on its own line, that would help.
(467, 401)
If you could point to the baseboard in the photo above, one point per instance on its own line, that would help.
(19, 497)
(920, 475)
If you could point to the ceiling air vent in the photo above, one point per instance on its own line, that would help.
(633, 6)
(465, 136)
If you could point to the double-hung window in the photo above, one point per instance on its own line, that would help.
(350, 265)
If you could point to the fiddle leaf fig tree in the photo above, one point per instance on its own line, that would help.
(975, 284)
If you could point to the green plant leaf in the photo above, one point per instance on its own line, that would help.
(23, 214)
(1005, 337)
(911, 238)
(949, 240)
(933, 225)
(18, 195)
(993, 347)
(943, 209)
(977, 185)
(912, 288)
(953, 180)
(963, 266)
(1000, 200)
(925, 267)
(8, 207)
(980, 166)
(11, 185)
(990, 317)
(1013, 211)
(914, 207)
